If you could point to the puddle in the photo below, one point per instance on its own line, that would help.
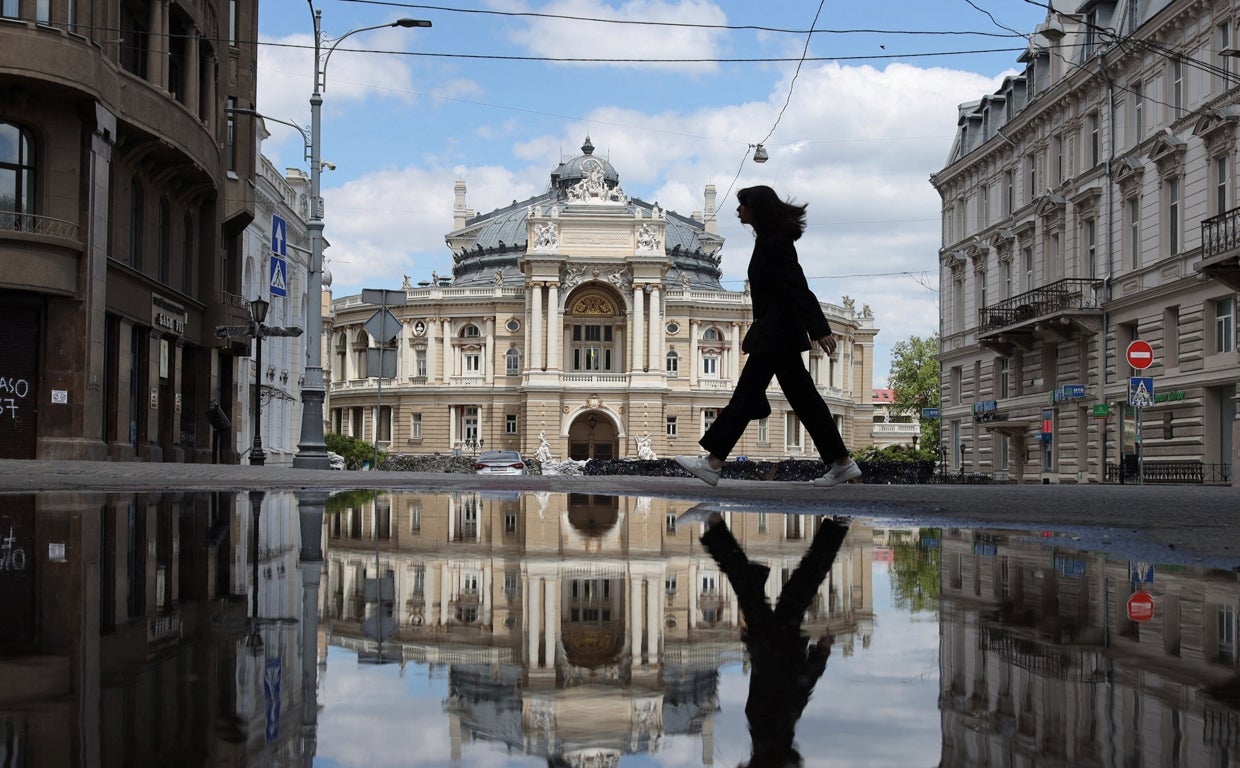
(548, 629)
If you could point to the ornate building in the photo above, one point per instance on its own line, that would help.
(1089, 202)
(586, 317)
(124, 192)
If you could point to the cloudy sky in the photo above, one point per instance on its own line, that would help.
(496, 92)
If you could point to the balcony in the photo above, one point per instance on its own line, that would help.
(29, 223)
(1220, 248)
(1052, 312)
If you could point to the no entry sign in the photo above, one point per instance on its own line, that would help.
(1140, 354)
(1141, 606)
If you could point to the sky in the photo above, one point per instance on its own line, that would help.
(854, 130)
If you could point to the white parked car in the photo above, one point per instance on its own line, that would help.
(499, 463)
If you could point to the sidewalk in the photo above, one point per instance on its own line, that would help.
(1172, 523)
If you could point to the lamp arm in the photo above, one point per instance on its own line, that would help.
(322, 76)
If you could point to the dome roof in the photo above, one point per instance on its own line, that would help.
(572, 171)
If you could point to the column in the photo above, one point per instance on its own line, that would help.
(653, 624)
(488, 352)
(639, 328)
(532, 601)
(444, 596)
(555, 329)
(157, 42)
(693, 593)
(486, 586)
(536, 327)
(432, 360)
(734, 359)
(551, 615)
(192, 74)
(446, 351)
(656, 329)
(692, 362)
(208, 89)
(635, 619)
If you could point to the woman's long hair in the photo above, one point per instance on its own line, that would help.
(771, 214)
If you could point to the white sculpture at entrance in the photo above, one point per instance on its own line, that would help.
(644, 451)
(543, 454)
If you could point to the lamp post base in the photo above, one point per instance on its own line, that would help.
(311, 450)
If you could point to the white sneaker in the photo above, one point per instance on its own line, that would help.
(699, 467)
(839, 474)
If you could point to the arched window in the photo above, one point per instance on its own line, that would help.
(595, 323)
(360, 342)
(673, 363)
(17, 176)
(342, 351)
(512, 362)
(711, 334)
(470, 331)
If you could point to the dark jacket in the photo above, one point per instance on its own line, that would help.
(786, 313)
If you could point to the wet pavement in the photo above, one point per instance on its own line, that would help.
(481, 624)
(1190, 524)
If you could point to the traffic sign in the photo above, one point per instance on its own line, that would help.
(1141, 606)
(279, 235)
(278, 282)
(383, 325)
(1141, 391)
(1140, 354)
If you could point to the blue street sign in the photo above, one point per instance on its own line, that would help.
(279, 235)
(1073, 391)
(278, 281)
(1141, 391)
(929, 413)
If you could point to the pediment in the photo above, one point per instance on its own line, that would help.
(1167, 150)
(1214, 122)
(1050, 204)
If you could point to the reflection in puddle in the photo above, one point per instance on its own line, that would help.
(553, 629)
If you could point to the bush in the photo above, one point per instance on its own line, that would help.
(356, 452)
(899, 452)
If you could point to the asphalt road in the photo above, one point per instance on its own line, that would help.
(1171, 523)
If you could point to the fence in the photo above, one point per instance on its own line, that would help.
(1171, 472)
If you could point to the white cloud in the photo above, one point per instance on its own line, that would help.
(561, 38)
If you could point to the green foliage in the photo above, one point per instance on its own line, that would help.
(355, 452)
(900, 452)
(915, 384)
(346, 500)
(915, 571)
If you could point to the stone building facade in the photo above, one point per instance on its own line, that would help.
(583, 317)
(1089, 202)
(124, 192)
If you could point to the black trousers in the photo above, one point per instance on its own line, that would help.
(749, 402)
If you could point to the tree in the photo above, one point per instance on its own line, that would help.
(914, 381)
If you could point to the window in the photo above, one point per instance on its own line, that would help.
(1132, 18)
(710, 366)
(1026, 254)
(470, 331)
(792, 431)
(1003, 379)
(1173, 215)
(1009, 193)
(983, 206)
(232, 22)
(17, 173)
(1094, 145)
(385, 424)
(471, 364)
(958, 305)
(1222, 38)
(1177, 88)
(1227, 634)
(230, 136)
(1225, 325)
(708, 418)
(1005, 273)
(1138, 111)
(415, 426)
(764, 431)
(137, 203)
(669, 584)
(512, 362)
(1057, 159)
(671, 426)
(419, 363)
(592, 347)
(1089, 242)
(673, 363)
(1220, 185)
(1171, 337)
(510, 424)
(1133, 212)
(1031, 174)
(361, 341)
(956, 384)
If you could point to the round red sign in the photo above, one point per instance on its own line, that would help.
(1141, 606)
(1140, 354)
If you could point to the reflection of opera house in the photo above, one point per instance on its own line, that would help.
(1040, 664)
(575, 627)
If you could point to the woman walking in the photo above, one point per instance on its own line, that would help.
(786, 315)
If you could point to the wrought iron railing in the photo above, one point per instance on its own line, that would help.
(1171, 472)
(1068, 294)
(16, 221)
(1220, 234)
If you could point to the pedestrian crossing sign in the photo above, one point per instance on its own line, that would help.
(279, 276)
(1141, 391)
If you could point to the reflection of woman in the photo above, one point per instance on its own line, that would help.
(786, 315)
(784, 665)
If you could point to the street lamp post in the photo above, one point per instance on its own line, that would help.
(258, 316)
(311, 449)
